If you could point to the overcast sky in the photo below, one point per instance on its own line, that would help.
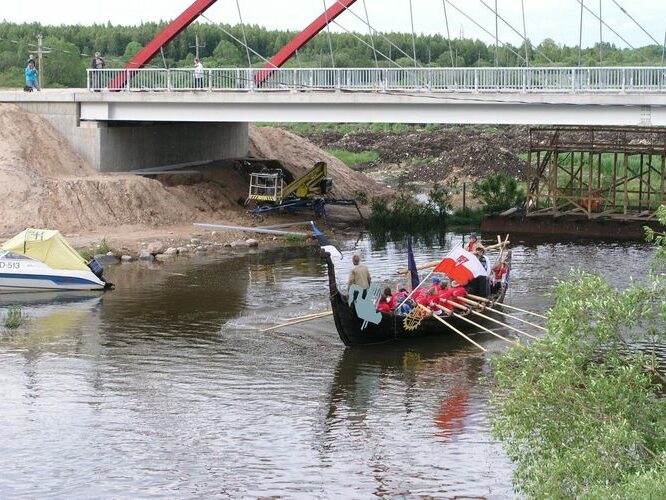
(556, 19)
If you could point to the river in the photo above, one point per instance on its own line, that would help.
(165, 387)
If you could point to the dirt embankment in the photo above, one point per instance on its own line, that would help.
(423, 155)
(44, 183)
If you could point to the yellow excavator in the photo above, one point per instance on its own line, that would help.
(267, 189)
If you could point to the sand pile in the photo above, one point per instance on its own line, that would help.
(44, 183)
(299, 155)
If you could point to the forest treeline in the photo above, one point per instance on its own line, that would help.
(70, 49)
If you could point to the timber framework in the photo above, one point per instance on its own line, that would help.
(602, 172)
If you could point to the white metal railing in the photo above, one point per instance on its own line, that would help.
(546, 79)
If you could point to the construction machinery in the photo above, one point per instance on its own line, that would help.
(268, 191)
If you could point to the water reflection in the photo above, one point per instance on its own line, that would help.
(166, 387)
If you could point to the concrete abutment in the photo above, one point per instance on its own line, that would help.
(124, 146)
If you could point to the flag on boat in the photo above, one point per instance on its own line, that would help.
(325, 245)
(461, 265)
(411, 265)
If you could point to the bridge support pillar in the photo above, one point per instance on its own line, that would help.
(129, 146)
(121, 146)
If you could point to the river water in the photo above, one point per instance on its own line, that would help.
(165, 387)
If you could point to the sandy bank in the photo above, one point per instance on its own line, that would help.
(44, 183)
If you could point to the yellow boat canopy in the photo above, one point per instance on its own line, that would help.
(47, 246)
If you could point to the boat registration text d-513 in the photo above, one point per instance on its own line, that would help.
(10, 265)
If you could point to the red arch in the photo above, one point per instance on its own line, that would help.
(190, 14)
(302, 38)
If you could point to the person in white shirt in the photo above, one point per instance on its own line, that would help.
(198, 74)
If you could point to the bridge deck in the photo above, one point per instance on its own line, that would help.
(630, 109)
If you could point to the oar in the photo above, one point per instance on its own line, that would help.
(289, 323)
(453, 328)
(479, 326)
(483, 299)
(455, 304)
(472, 303)
(320, 313)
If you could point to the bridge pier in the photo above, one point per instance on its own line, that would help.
(121, 146)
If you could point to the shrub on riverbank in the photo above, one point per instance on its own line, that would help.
(101, 248)
(498, 192)
(14, 318)
(582, 411)
(407, 213)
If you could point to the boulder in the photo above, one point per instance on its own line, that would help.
(239, 244)
(171, 251)
(145, 255)
(155, 247)
(126, 258)
(195, 241)
(163, 257)
(251, 242)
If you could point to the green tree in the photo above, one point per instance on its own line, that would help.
(228, 54)
(131, 50)
(582, 411)
(63, 66)
(498, 192)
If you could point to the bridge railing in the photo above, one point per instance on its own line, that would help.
(527, 80)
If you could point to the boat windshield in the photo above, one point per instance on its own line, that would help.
(4, 254)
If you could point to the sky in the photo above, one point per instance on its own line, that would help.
(556, 19)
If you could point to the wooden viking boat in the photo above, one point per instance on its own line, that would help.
(392, 326)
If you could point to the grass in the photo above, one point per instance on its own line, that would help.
(354, 159)
(101, 248)
(293, 239)
(14, 318)
(350, 128)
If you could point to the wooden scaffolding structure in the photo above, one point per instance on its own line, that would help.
(602, 172)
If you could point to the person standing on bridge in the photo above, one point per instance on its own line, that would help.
(31, 78)
(97, 62)
(198, 74)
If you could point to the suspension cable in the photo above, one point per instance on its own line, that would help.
(635, 22)
(328, 33)
(391, 44)
(247, 51)
(448, 34)
(235, 39)
(606, 25)
(523, 35)
(527, 54)
(360, 39)
(496, 37)
(580, 33)
(663, 49)
(372, 39)
(411, 18)
(601, 36)
(508, 47)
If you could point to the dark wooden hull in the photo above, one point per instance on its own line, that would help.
(390, 328)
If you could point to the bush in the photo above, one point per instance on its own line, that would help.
(101, 248)
(582, 411)
(498, 192)
(14, 318)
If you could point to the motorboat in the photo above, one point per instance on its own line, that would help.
(41, 259)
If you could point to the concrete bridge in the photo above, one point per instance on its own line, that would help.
(158, 118)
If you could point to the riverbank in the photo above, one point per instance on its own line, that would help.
(44, 183)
